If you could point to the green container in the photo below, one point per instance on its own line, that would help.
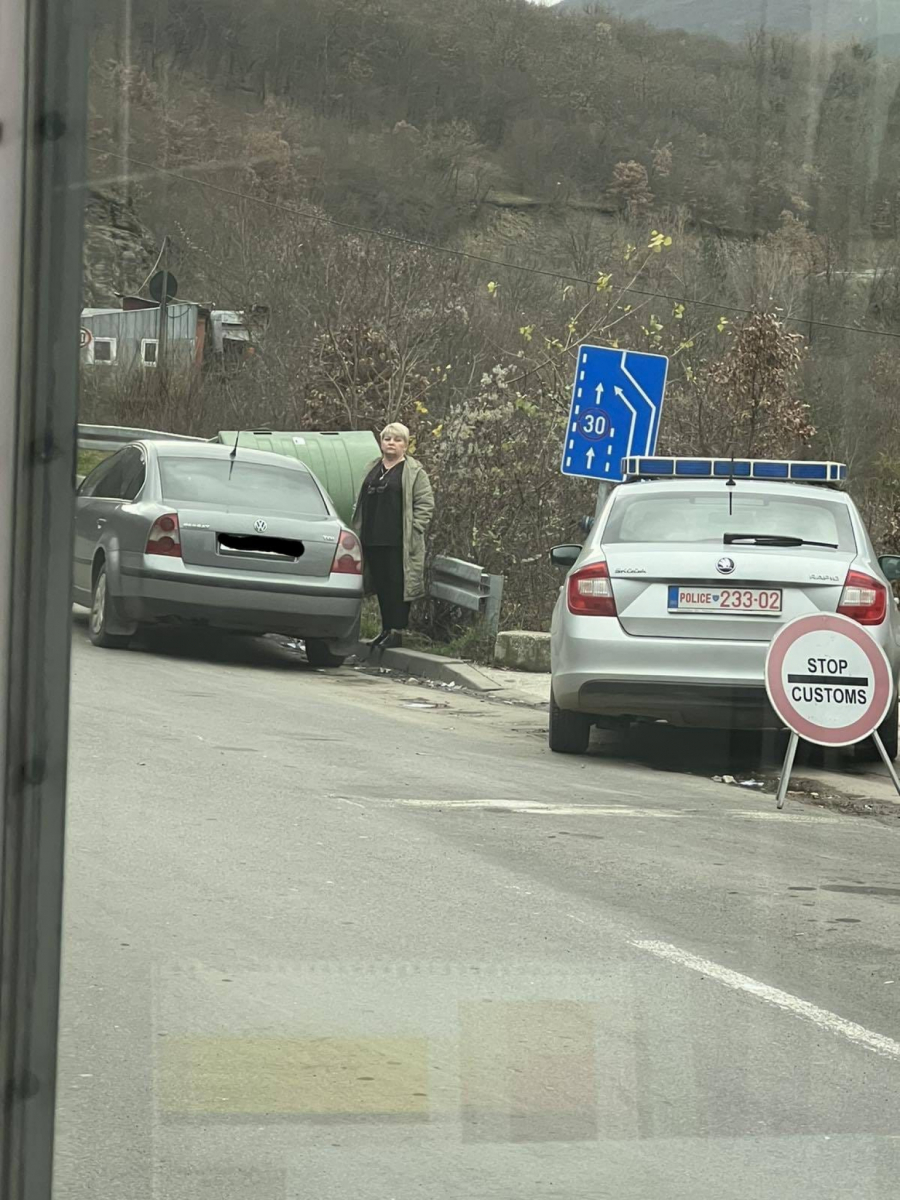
(338, 460)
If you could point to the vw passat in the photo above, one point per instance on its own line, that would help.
(668, 608)
(190, 532)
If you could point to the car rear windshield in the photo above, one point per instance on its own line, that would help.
(258, 488)
(705, 517)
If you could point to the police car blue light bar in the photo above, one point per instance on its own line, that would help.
(788, 470)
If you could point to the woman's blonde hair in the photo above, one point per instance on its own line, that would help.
(397, 430)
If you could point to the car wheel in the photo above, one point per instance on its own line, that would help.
(318, 654)
(570, 732)
(103, 606)
(889, 733)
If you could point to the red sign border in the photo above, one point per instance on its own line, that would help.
(881, 669)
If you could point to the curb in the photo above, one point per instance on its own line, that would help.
(429, 666)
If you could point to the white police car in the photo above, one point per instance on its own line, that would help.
(692, 565)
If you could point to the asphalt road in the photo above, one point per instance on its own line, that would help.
(332, 936)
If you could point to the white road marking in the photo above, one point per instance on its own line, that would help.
(537, 808)
(549, 808)
(821, 1017)
(816, 818)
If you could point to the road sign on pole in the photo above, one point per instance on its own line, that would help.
(85, 338)
(617, 401)
(831, 684)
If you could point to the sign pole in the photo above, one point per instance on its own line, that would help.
(876, 738)
(784, 781)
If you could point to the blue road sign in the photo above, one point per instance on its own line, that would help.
(616, 405)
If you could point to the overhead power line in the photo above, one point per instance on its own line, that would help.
(471, 255)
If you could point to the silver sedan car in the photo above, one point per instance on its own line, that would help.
(190, 532)
(669, 607)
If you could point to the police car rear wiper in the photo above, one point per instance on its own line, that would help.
(771, 539)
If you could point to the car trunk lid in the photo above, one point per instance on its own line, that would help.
(810, 579)
(213, 536)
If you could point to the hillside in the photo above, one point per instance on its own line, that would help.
(874, 22)
(416, 116)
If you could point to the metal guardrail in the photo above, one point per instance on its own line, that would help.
(468, 586)
(113, 437)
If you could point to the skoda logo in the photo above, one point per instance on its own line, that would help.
(260, 526)
(725, 566)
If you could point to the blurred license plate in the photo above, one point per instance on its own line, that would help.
(760, 601)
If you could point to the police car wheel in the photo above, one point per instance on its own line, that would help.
(570, 732)
(867, 751)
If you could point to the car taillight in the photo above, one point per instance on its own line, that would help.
(165, 537)
(348, 555)
(863, 598)
(590, 592)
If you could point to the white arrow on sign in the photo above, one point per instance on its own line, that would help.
(590, 457)
(599, 392)
(633, 412)
(644, 397)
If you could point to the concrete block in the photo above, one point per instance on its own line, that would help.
(523, 650)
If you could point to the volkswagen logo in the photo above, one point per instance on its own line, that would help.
(260, 526)
(725, 566)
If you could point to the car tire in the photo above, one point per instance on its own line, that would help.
(103, 606)
(570, 732)
(888, 731)
(318, 654)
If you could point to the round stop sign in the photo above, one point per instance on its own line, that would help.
(828, 680)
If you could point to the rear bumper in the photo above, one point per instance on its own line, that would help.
(709, 684)
(706, 706)
(322, 609)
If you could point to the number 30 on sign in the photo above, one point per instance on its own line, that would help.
(593, 425)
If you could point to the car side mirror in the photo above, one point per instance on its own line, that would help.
(565, 556)
(586, 524)
(890, 565)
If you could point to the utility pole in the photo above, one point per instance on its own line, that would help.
(163, 332)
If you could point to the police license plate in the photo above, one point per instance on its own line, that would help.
(758, 601)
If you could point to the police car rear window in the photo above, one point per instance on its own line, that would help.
(672, 516)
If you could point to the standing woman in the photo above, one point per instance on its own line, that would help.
(392, 515)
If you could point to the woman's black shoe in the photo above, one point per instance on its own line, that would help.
(378, 643)
(391, 640)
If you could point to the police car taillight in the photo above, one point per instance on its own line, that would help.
(864, 599)
(590, 592)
